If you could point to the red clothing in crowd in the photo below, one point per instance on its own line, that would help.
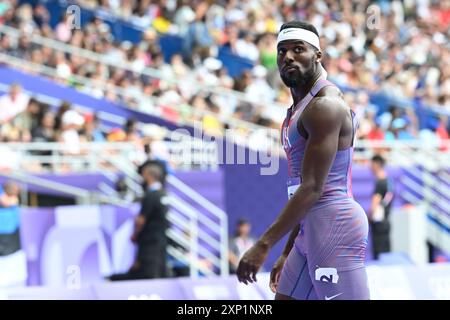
(442, 133)
(375, 134)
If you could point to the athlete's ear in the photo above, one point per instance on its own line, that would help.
(318, 56)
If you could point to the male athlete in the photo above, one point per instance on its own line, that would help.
(324, 256)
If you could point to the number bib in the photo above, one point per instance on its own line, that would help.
(292, 186)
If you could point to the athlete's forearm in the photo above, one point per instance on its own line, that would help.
(291, 215)
(291, 240)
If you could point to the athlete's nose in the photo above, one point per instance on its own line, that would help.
(288, 57)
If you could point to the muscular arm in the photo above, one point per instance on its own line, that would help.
(291, 240)
(322, 121)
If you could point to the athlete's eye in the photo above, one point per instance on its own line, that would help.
(298, 49)
(281, 51)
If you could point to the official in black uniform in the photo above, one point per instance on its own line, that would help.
(382, 198)
(151, 225)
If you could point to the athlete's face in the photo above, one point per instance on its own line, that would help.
(297, 62)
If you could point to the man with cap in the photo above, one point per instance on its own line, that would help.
(324, 256)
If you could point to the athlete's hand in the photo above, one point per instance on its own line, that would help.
(276, 272)
(251, 262)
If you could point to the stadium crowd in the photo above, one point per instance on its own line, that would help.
(403, 52)
(26, 119)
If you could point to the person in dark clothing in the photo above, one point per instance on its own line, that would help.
(150, 228)
(151, 225)
(45, 132)
(380, 208)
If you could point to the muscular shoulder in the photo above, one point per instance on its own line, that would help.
(326, 111)
(331, 99)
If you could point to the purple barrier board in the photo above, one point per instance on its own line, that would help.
(385, 282)
(46, 293)
(82, 243)
(163, 289)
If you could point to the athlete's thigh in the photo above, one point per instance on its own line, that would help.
(280, 296)
(336, 255)
(295, 281)
(332, 284)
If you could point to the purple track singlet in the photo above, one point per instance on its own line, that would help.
(327, 259)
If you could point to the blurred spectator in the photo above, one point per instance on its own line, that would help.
(12, 259)
(208, 73)
(13, 103)
(63, 69)
(45, 131)
(71, 123)
(240, 243)
(132, 131)
(41, 16)
(63, 30)
(211, 122)
(198, 40)
(245, 47)
(442, 128)
(28, 120)
(124, 191)
(65, 106)
(134, 136)
(259, 91)
(91, 130)
(400, 130)
(116, 135)
(376, 133)
(155, 146)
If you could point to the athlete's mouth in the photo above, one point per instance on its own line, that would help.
(290, 68)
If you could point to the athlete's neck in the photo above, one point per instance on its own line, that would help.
(299, 92)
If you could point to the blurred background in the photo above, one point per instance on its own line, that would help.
(92, 90)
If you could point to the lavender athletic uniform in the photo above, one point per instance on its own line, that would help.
(327, 259)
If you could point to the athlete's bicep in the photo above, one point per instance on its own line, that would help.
(323, 124)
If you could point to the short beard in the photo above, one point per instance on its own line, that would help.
(300, 80)
(292, 82)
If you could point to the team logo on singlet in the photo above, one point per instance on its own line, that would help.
(286, 142)
(329, 275)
